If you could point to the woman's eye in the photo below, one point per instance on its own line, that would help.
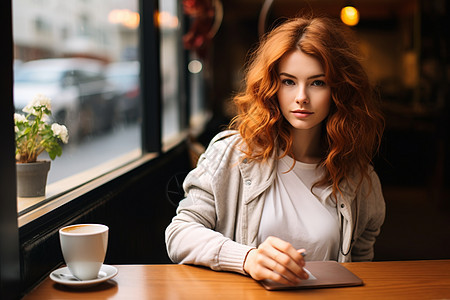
(318, 83)
(287, 82)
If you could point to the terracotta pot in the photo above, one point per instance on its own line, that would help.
(32, 178)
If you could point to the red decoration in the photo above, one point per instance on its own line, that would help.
(202, 13)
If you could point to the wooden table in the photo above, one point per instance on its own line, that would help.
(383, 280)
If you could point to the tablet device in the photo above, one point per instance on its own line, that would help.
(322, 274)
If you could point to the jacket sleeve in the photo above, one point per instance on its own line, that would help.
(372, 214)
(191, 237)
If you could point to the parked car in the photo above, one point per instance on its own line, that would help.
(125, 75)
(82, 98)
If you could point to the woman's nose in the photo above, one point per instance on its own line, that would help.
(301, 96)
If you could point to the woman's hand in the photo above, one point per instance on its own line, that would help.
(276, 260)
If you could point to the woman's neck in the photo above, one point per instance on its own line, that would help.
(306, 145)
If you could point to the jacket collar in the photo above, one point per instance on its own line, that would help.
(257, 177)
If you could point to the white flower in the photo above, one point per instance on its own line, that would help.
(39, 102)
(34, 135)
(61, 132)
(19, 118)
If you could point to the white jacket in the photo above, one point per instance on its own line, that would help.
(217, 223)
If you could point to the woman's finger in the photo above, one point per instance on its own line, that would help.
(280, 262)
(285, 255)
(288, 249)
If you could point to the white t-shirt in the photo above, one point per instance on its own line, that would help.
(294, 214)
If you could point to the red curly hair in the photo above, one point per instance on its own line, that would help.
(352, 131)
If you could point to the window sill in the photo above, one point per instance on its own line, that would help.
(68, 189)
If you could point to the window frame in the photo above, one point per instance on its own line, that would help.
(149, 54)
(9, 233)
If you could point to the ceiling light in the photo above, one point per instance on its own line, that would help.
(350, 15)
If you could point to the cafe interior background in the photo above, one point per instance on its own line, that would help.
(190, 66)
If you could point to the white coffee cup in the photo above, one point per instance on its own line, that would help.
(84, 248)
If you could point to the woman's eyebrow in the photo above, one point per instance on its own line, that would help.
(310, 77)
(287, 75)
(316, 76)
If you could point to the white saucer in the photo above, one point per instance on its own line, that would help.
(63, 276)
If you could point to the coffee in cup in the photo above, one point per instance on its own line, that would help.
(84, 248)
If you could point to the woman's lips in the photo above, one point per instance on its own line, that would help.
(301, 113)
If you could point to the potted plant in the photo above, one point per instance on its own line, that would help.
(35, 135)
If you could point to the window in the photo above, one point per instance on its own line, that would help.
(198, 113)
(171, 69)
(87, 60)
(83, 55)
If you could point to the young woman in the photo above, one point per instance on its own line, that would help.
(294, 174)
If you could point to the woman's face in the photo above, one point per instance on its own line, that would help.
(304, 96)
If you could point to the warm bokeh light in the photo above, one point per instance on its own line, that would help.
(350, 15)
(167, 20)
(125, 17)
